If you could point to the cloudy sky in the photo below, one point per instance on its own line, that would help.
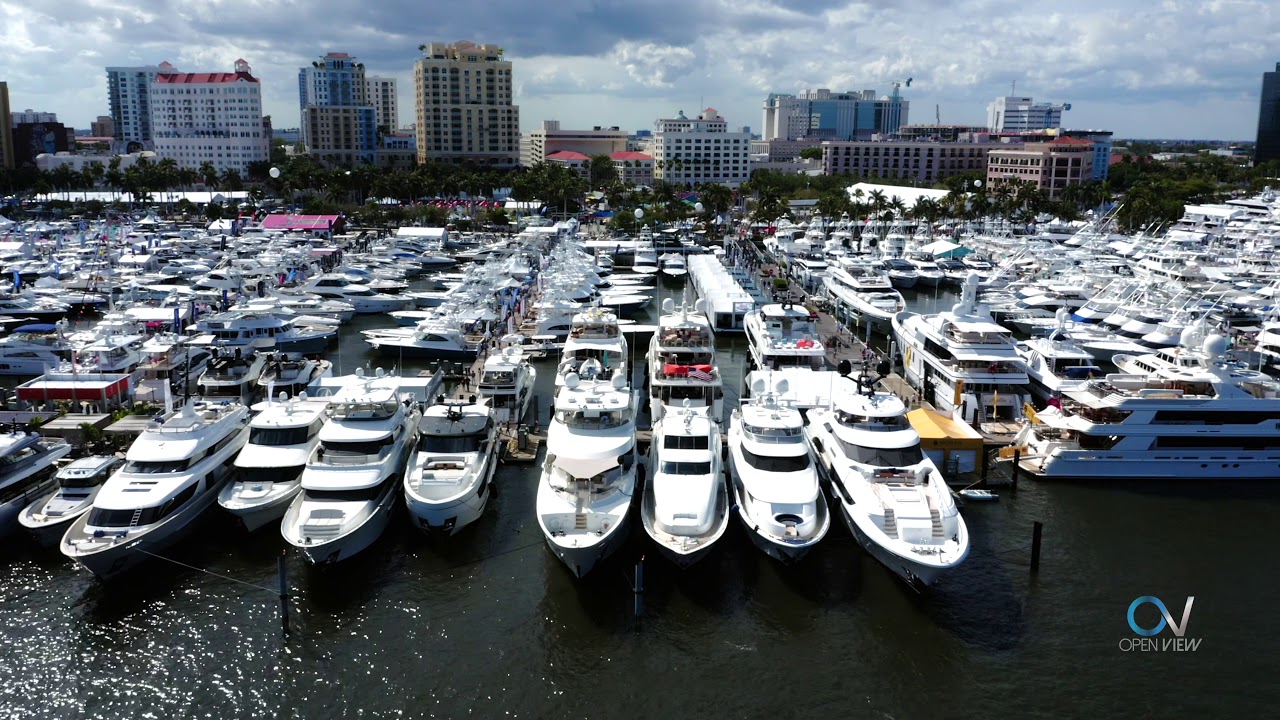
(1142, 68)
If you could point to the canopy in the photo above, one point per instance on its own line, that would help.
(945, 249)
(938, 431)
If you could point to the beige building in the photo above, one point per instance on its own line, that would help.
(464, 110)
(381, 93)
(535, 146)
(103, 127)
(633, 168)
(1050, 165)
(338, 135)
(6, 128)
(924, 162)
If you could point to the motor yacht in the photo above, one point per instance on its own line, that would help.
(349, 485)
(435, 339)
(172, 474)
(685, 507)
(1055, 363)
(337, 286)
(240, 328)
(291, 373)
(589, 474)
(232, 375)
(928, 274)
(891, 496)
(645, 260)
(506, 384)
(682, 362)
(78, 483)
(449, 477)
(26, 472)
(594, 336)
(784, 335)
(864, 291)
(902, 274)
(674, 266)
(774, 482)
(282, 436)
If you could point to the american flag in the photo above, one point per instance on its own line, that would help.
(700, 375)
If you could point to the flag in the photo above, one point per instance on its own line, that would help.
(700, 375)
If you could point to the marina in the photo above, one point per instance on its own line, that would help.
(663, 496)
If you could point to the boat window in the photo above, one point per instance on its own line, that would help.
(884, 457)
(774, 434)
(100, 517)
(686, 468)
(279, 436)
(337, 451)
(149, 467)
(269, 475)
(686, 442)
(450, 443)
(771, 463)
(363, 495)
(84, 479)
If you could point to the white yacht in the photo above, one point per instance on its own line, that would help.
(892, 497)
(775, 485)
(436, 339)
(928, 274)
(26, 472)
(232, 374)
(172, 474)
(1055, 363)
(645, 260)
(902, 274)
(449, 477)
(281, 438)
(595, 336)
(962, 361)
(682, 362)
(674, 266)
(685, 507)
(78, 483)
(784, 335)
(241, 328)
(349, 484)
(1186, 413)
(589, 474)
(506, 385)
(291, 373)
(337, 286)
(865, 291)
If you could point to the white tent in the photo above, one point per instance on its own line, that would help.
(945, 249)
(6, 222)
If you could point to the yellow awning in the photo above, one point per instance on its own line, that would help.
(937, 431)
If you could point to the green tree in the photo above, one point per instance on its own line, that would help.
(811, 153)
(600, 171)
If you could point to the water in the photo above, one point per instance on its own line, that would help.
(492, 625)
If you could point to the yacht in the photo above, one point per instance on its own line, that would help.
(902, 274)
(865, 291)
(349, 483)
(241, 328)
(78, 483)
(682, 363)
(928, 274)
(645, 260)
(775, 485)
(172, 474)
(26, 472)
(435, 339)
(625, 303)
(1178, 413)
(594, 336)
(506, 385)
(291, 373)
(674, 266)
(40, 309)
(892, 497)
(337, 286)
(589, 474)
(33, 349)
(962, 361)
(685, 507)
(784, 335)
(450, 475)
(1055, 363)
(281, 438)
(232, 374)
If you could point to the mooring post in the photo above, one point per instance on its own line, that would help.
(284, 594)
(638, 590)
(1036, 531)
(986, 463)
(1017, 467)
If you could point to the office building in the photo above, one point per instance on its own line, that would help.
(382, 95)
(209, 117)
(6, 129)
(129, 96)
(103, 127)
(825, 115)
(693, 151)
(31, 117)
(633, 168)
(1019, 114)
(1050, 165)
(923, 161)
(464, 110)
(1268, 143)
(31, 140)
(339, 123)
(536, 145)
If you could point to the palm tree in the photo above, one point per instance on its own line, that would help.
(209, 175)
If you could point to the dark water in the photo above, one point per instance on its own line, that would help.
(491, 624)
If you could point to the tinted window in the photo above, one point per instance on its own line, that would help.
(685, 442)
(450, 443)
(769, 463)
(686, 468)
(278, 436)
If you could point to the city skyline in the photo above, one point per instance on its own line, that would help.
(1139, 70)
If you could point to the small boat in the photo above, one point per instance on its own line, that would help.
(78, 484)
(977, 494)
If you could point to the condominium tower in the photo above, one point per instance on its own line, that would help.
(339, 123)
(463, 101)
(129, 96)
(1268, 146)
(209, 117)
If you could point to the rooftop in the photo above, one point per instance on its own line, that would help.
(567, 155)
(192, 78)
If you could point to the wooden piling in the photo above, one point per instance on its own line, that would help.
(1036, 531)
(282, 572)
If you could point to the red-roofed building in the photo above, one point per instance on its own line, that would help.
(213, 117)
(316, 224)
(633, 168)
(539, 144)
(575, 161)
(1050, 165)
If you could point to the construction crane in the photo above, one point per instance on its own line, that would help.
(897, 84)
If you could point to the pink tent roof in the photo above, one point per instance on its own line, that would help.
(299, 222)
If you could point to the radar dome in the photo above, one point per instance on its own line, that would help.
(668, 305)
(571, 380)
(1215, 346)
(782, 386)
(758, 386)
(619, 381)
(700, 305)
(973, 278)
(1188, 337)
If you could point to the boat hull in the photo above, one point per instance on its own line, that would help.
(446, 519)
(913, 573)
(787, 553)
(582, 559)
(256, 515)
(687, 551)
(11, 509)
(425, 353)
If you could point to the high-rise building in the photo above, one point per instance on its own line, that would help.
(1268, 145)
(6, 128)
(339, 123)
(102, 127)
(1050, 165)
(1018, 114)
(209, 117)
(29, 116)
(129, 94)
(464, 110)
(382, 94)
(824, 115)
(535, 146)
(700, 150)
